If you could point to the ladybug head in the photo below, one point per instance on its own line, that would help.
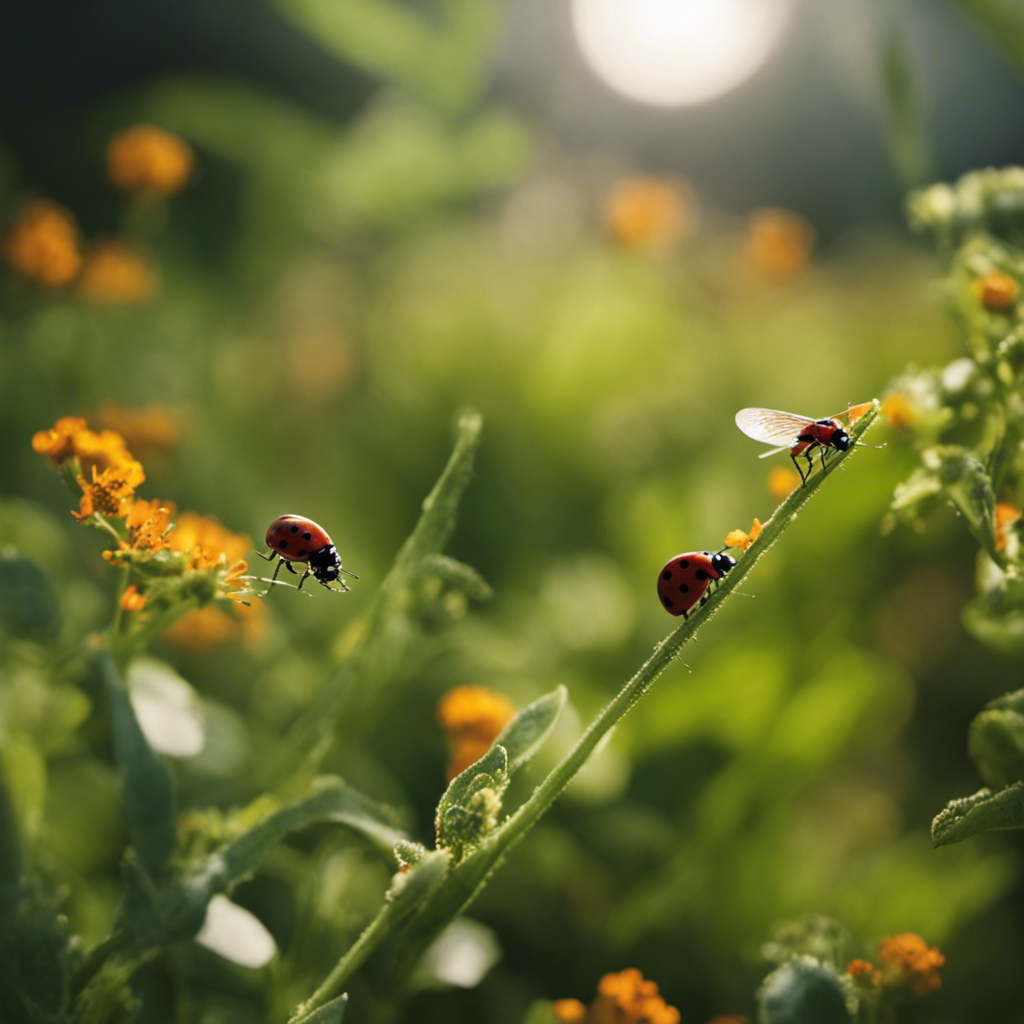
(722, 562)
(840, 440)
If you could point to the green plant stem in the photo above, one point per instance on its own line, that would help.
(469, 876)
(669, 648)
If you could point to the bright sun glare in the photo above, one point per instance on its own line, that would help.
(677, 52)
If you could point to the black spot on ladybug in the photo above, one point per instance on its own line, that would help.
(683, 563)
(701, 574)
(302, 552)
(282, 544)
(307, 536)
(667, 601)
(666, 575)
(683, 588)
(295, 529)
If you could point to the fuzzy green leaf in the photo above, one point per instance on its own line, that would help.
(985, 811)
(330, 1013)
(523, 736)
(149, 791)
(490, 772)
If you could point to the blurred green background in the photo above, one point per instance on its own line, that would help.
(402, 210)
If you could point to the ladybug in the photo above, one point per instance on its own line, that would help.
(684, 579)
(298, 539)
(800, 434)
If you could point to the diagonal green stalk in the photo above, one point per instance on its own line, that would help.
(669, 648)
(399, 951)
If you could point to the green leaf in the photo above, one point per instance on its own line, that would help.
(523, 736)
(985, 811)
(28, 606)
(489, 773)
(908, 137)
(330, 1013)
(1004, 20)
(996, 743)
(149, 791)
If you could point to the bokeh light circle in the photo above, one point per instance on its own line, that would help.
(677, 52)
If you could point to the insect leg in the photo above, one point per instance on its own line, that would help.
(803, 479)
(304, 575)
(270, 557)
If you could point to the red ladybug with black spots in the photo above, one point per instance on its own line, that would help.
(684, 580)
(298, 539)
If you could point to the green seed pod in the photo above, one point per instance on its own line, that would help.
(804, 990)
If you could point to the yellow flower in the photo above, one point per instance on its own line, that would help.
(152, 428)
(42, 244)
(109, 492)
(782, 482)
(996, 291)
(778, 244)
(1006, 513)
(648, 212)
(899, 410)
(132, 600)
(147, 160)
(908, 962)
(472, 716)
(113, 273)
(741, 540)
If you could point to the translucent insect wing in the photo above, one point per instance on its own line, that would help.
(772, 426)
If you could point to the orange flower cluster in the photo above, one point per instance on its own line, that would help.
(648, 213)
(907, 964)
(211, 626)
(199, 543)
(622, 998)
(778, 244)
(996, 291)
(42, 244)
(472, 717)
(147, 160)
(113, 273)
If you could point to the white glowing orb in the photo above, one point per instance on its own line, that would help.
(677, 52)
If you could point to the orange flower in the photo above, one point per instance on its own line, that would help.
(148, 160)
(730, 1018)
(996, 291)
(114, 273)
(569, 1011)
(59, 441)
(42, 244)
(628, 998)
(70, 437)
(741, 540)
(778, 244)
(648, 212)
(899, 410)
(148, 522)
(1006, 513)
(864, 973)
(782, 482)
(149, 429)
(110, 491)
(908, 962)
(132, 600)
(473, 716)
